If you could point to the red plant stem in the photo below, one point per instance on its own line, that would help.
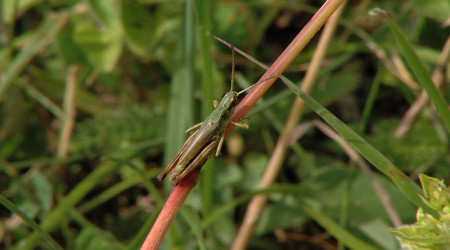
(283, 61)
(170, 210)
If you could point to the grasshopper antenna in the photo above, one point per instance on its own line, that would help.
(232, 66)
(260, 81)
(233, 61)
(233, 49)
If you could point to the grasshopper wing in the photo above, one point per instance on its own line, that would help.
(197, 162)
(203, 137)
(175, 160)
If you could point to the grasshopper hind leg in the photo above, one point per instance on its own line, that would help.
(240, 124)
(175, 161)
(197, 162)
(219, 147)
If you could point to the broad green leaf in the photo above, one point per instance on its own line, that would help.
(101, 45)
(335, 87)
(92, 239)
(107, 11)
(438, 10)
(279, 216)
(70, 51)
(376, 230)
(138, 27)
(334, 228)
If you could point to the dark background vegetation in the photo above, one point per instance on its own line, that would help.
(132, 107)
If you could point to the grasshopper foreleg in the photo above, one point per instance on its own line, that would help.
(240, 124)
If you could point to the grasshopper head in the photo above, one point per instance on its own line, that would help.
(229, 99)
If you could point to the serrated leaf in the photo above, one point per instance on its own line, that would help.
(437, 194)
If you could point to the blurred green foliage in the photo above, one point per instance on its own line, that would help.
(133, 103)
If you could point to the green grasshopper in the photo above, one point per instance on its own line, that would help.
(208, 136)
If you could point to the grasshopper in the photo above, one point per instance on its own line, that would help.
(208, 136)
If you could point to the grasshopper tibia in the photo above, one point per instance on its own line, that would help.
(240, 124)
(193, 128)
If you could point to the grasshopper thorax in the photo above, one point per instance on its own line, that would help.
(229, 99)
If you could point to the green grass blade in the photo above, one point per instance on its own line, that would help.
(137, 240)
(280, 188)
(44, 235)
(178, 115)
(420, 72)
(194, 222)
(334, 228)
(297, 190)
(42, 99)
(129, 182)
(370, 102)
(58, 214)
(406, 185)
(42, 38)
(203, 9)
(181, 96)
(142, 146)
